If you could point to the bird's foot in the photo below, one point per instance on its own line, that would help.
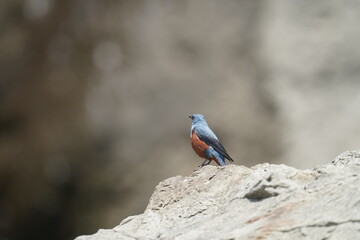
(205, 163)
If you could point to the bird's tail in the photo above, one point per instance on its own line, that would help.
(219, 159)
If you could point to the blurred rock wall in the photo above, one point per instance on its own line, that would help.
(94, 98)
(310, 51)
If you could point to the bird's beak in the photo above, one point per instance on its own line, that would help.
(190, 116)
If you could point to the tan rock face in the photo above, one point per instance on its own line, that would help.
(264, 202)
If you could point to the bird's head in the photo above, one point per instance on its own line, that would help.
(197, 118)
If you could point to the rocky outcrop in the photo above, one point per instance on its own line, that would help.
(263, 202)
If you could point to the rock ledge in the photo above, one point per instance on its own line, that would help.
(264, 202)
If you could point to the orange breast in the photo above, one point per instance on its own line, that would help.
(199, 146)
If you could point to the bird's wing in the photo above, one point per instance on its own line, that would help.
(206, 135)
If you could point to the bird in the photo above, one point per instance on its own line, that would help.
(205, 143)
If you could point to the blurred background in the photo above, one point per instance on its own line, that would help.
(95, 97)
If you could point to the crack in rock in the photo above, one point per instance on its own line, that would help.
(325, 224)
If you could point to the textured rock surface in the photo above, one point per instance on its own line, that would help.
(263, 202)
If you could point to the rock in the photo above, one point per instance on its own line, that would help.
(266, 201)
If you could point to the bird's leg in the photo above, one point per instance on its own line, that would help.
(206, 162)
